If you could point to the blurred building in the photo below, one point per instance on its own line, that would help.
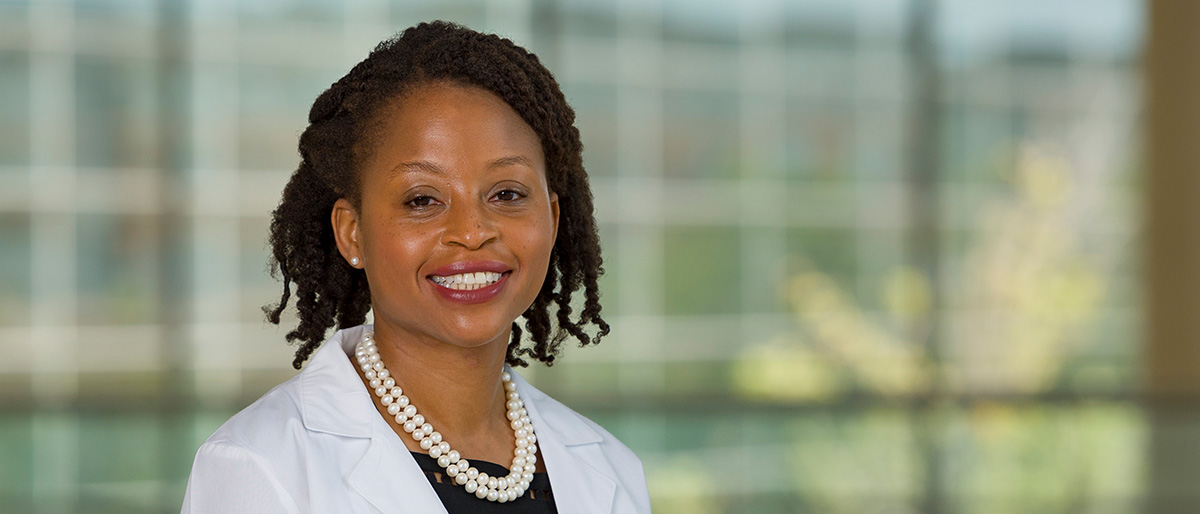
(874, 256)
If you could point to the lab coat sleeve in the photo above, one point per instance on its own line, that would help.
(231, 479)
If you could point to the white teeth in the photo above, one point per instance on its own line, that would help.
(468, 281)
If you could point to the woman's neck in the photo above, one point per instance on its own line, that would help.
(458, 389)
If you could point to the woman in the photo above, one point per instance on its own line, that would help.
(441, 186)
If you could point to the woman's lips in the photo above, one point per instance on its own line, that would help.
(468, 296)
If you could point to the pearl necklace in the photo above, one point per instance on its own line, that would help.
(497, 489)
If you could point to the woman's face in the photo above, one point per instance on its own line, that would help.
(456, 222)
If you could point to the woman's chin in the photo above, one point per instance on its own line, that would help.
(474, 338)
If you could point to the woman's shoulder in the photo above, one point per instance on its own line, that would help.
(573, 428)
(260, 424)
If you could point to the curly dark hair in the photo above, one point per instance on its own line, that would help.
(328, 290)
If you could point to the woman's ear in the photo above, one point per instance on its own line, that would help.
(554, 213)
(345, 230)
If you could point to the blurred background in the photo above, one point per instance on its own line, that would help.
(874, 256)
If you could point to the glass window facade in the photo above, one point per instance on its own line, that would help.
(862, 256)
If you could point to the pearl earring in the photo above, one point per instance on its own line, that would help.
(354, 261)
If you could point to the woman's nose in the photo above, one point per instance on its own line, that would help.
(469, 225)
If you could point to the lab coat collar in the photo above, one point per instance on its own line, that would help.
(569, 448)
(330, 401)
(333, 401)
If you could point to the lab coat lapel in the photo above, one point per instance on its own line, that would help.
(570, 449)
(334, 402)
(393, 485)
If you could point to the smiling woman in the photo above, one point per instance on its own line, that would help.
(441, 188)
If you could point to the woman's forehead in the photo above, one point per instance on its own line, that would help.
(451, 122)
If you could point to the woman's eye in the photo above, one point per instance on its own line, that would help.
(508, 195)
(421, 201)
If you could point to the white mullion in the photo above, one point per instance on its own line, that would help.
(762, 124)
(53, 276)
(640, 247)
(214, 198)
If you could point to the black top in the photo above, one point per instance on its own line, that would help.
(537, 500)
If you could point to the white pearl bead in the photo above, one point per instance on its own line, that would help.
(418, 434)
(481, 493)
(522, 442)
(419, 419)
(370, 374)
(450, 470)
(521, 452)
(409, 426)
(377, 366)
(516, 423)
(502, 497)
(461, 479)
(527, 477)
(435, 452)
(492, 495)
(444, 462)
(380, 391)
(386, 400)
(529, 469)
(401, 418)
(512, 405)
(426, 444)
(505, 376)
(512, 481)
(492, 482)
(510, 385)
(463, 464)
(518, 461)
(532, 437)
(512, 395)
(373, 358)
(522, 432)
(531, 459)
(470, 487)
(410, 410)
(525, 420)
(388, 382)
(363, 360)
(394, 409)
(453, 455)
(445, 446)
(513, 416)
(427, 428)
(384, 374)
(375, 383)
(435, 436)
(396, 392)
(472, 473)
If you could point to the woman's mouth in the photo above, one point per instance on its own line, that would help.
(467, 281)
(470, 287)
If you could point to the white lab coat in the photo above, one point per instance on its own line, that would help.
(316, 444)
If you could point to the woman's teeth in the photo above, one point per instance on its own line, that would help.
(468, 281)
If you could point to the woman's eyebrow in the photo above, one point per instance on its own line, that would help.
(425, 166)
(509, 161)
